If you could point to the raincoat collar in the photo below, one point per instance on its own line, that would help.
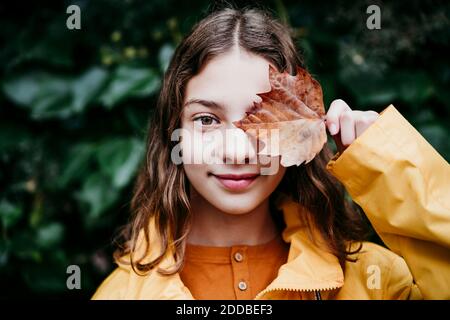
(310, 267)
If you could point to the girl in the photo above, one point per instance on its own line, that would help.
(223, 230)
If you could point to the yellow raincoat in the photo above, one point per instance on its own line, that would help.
(402, 184)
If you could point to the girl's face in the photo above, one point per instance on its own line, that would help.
(213, 148)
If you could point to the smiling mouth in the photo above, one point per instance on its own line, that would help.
(236, 182)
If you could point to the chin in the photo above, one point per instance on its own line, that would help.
(236, 205)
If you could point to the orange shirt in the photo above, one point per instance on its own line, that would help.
(230, 273)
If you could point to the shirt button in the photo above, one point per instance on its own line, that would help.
(242, 286)
(238, 257)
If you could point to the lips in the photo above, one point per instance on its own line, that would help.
(237, 176)
(236, 182)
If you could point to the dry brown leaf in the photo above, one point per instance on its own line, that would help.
(295, 107)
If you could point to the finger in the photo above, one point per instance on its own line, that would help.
(339, 145)
(337, 107)
(364, 120)
(347, 125)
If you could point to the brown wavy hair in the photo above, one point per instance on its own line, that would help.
(161, 190)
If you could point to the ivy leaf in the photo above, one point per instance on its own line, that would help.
(49, 95)
(290, 119)
(128, 82)
(98, 195)
(9, 213)
(119, 159)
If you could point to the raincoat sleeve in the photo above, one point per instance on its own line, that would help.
(403, 186)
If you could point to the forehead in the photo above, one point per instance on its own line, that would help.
(231, 78)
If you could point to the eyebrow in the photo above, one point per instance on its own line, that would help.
(206, 103)
(210, 104)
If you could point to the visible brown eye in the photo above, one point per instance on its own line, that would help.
(206, 120)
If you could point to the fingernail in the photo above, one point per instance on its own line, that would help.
(333, 129)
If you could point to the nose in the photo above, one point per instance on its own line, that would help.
(239, 148)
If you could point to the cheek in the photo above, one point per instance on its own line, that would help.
(272, 181)
(191, 146)
(188, 150)
(196, 173)
(201, 148)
